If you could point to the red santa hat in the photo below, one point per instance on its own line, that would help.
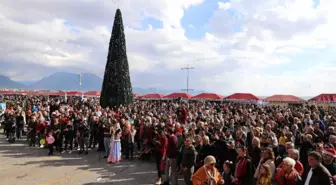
(330, 151)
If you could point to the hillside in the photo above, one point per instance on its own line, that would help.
(5, 82)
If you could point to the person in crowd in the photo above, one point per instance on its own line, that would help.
(294, 154)
(131, 142)
(20, 123)
(319, 147)
(83, 136)
(243, 171)
(58, 134)
(216, 128)
(208, 174)
(50, 140)
(188, 160)
(232, 153)
(171, 166)
(198, 146)
(272, 139)
(264, 175)
(10, 126)
(317, 174)
(267, 158)
(329, 161)
(115, 147)
(287, 146)
(68, 135)
(227, 172)
(107, 137)
(219, 150)
(287, 175)
(160, 152)
(306, 147)
(100, 133)
(125, 139)
(255, 152)
(206, 149)
(32, 124)
(93, 130)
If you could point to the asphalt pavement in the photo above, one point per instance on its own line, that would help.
(21, 164)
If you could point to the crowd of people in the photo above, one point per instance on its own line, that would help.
(205, 142)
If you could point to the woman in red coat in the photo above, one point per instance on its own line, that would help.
(160, 152)
(287, 174)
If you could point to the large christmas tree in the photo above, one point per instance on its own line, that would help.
(117, 87)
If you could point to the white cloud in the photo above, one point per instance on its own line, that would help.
(250, 47)
(224, 6)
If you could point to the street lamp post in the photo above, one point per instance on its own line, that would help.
(188, 68)
(80, 84)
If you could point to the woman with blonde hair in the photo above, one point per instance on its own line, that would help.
(208, 174)
(205, 150)
(265, 175)
(267, 158)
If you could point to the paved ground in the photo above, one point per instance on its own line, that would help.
(20, 164)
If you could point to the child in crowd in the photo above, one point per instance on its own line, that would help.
(227, 174)
(50, 141)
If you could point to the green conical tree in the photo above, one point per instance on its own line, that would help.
(117, 87)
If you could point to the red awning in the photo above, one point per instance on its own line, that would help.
(284, 98)
(135, 95)
(7, 92)
(211, 96)
(74, 93)
(24, 92)
(61, 93)
(56, 93)
(152, 96)
(92, 93)
(242, 96)
(324, 98)
(178, 95)
(38, 93)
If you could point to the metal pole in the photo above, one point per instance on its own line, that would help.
(188, 79)
(80, 84)
(188, 73)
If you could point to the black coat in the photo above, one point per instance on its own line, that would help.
(320, 176)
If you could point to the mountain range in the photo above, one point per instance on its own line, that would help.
(70, 81)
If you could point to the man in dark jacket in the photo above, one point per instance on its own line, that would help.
(317, 174)
(10, 126)
(188, 160)
(93, 131)
(220, 150)
(84, 132)
(69, 135)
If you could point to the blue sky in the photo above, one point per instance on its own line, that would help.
(195, 20)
